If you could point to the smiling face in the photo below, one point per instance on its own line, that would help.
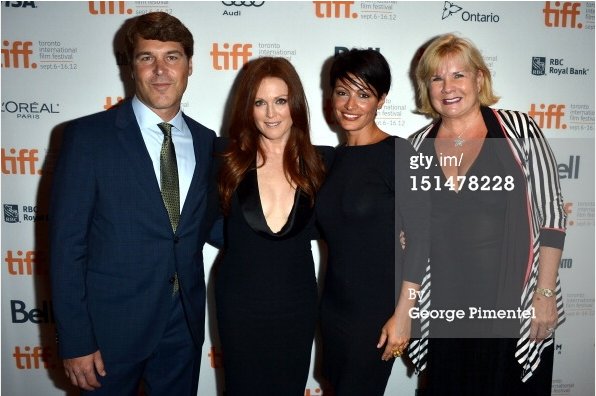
(355, 106)
(454, 88)
(160, 70)
(271, 110)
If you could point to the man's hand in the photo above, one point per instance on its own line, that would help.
(81, 370)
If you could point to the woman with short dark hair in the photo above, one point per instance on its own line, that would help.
(365, 199)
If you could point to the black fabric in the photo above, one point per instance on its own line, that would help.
(479, 256)
(266, 297)
(356, 209)
(487, 367)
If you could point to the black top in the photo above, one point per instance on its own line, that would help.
(366, 200)
(367, 197)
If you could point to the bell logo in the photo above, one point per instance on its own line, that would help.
(571, 169)
(333, 9)
(339, 50)
(544, 119)
(20, 314)
(32, 357)
(239, 51)
(23, 163)
(25, 263)
(108, 7)
(568, 11)
(108, 104)
(15, 52)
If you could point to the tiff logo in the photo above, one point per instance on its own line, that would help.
(15, 52)
(545, 119)
(568, 12)
(26, 263)
(32, 358)
(334, 9)
(108, 7)
(239, 52)
(23, 163)
(109, 104)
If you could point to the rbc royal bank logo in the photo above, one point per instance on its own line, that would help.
(11, 213)
(538, 65)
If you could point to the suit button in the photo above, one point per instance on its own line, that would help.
(176, 239)
(172, 280)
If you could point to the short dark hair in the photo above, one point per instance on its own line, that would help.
(159, 26)
(366, 65)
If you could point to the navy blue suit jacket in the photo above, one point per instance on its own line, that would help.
(113, 251)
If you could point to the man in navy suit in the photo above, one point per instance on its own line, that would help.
(128, 286)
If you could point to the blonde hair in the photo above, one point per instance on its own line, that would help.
(440, 48)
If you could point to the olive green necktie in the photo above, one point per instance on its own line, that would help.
(169, 181)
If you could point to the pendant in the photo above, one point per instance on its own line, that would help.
(458, 141)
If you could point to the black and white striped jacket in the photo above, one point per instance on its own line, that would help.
(547, 225)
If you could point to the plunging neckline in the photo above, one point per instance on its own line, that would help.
(470, 168)
(262, 211)
(252, 209)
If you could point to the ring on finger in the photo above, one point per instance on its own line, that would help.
(396, 352)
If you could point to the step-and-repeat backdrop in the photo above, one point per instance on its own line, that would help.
(62, 60)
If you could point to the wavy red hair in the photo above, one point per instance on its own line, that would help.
(302, 162)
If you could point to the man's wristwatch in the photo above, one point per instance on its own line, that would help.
(545, 292)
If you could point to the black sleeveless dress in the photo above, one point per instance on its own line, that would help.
(366, 197)
(266, 296)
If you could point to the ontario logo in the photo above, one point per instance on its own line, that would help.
(450, 9)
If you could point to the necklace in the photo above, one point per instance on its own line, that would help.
(459, 141)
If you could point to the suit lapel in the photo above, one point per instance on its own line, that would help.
(202, 152)
(129, 135)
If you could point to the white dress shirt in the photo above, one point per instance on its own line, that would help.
(153, 137)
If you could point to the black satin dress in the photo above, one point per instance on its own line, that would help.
(266, 294)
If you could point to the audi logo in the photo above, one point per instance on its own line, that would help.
(243, 3)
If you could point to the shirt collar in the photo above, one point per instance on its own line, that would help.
(147, 119)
